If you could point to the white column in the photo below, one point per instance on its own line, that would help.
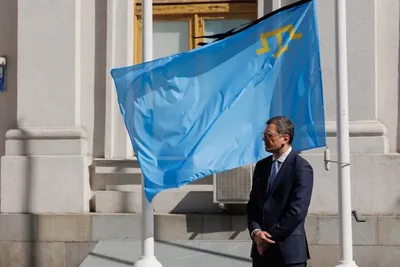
(365, 85)
(387, 60)
(267, 6)
(45, 168)
(276, 4)
(120, 45)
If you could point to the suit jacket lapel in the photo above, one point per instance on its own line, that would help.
(267, 170)
(283, 169)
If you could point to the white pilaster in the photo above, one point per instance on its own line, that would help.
(45, 168)
(387, 68)
(372, 92)
(368, 133)
(119, 54)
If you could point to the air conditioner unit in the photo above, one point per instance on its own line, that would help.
(233, 186)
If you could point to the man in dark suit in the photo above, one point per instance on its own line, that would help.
(279, 201)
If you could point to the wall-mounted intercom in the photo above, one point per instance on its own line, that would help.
(2, 74)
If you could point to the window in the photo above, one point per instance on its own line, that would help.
(176, 24)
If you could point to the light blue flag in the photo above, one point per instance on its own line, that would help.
(201, 112)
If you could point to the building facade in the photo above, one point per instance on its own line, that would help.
(63, 145)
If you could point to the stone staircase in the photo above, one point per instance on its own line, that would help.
(116, 186)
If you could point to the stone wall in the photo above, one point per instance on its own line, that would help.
(65, 240)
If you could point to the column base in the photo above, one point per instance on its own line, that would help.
(45, 170)
(347, 264)
(147, 262)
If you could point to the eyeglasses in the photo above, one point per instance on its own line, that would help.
(268, 136)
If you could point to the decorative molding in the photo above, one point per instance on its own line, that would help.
(123, 165)
(359, 128)
(203, 8)
(188, 2)
(46, 134)
(47, 142)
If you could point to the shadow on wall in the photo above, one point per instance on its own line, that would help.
(99, 97)
(28, 251)
(202, 227)
(31, 257)
(100, 78)
(203, 202)
(196, 201)
(397, 204)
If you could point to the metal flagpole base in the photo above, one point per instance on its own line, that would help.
(147, 262)
(347, 264)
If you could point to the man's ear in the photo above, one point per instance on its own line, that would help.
(286, 137)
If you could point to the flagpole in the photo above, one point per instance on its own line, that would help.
(343, 146)
(148, 258)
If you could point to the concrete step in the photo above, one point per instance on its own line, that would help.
(127, 199)
(114, 172)
(138, 188)
(99, 181)
(117, 172)
(117, 189)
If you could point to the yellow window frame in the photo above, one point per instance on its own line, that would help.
(195, 14)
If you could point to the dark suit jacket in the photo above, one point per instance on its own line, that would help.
(282, 210)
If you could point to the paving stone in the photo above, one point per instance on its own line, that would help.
(76, 252)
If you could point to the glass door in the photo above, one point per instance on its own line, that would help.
(220, 25)
(171, 35)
